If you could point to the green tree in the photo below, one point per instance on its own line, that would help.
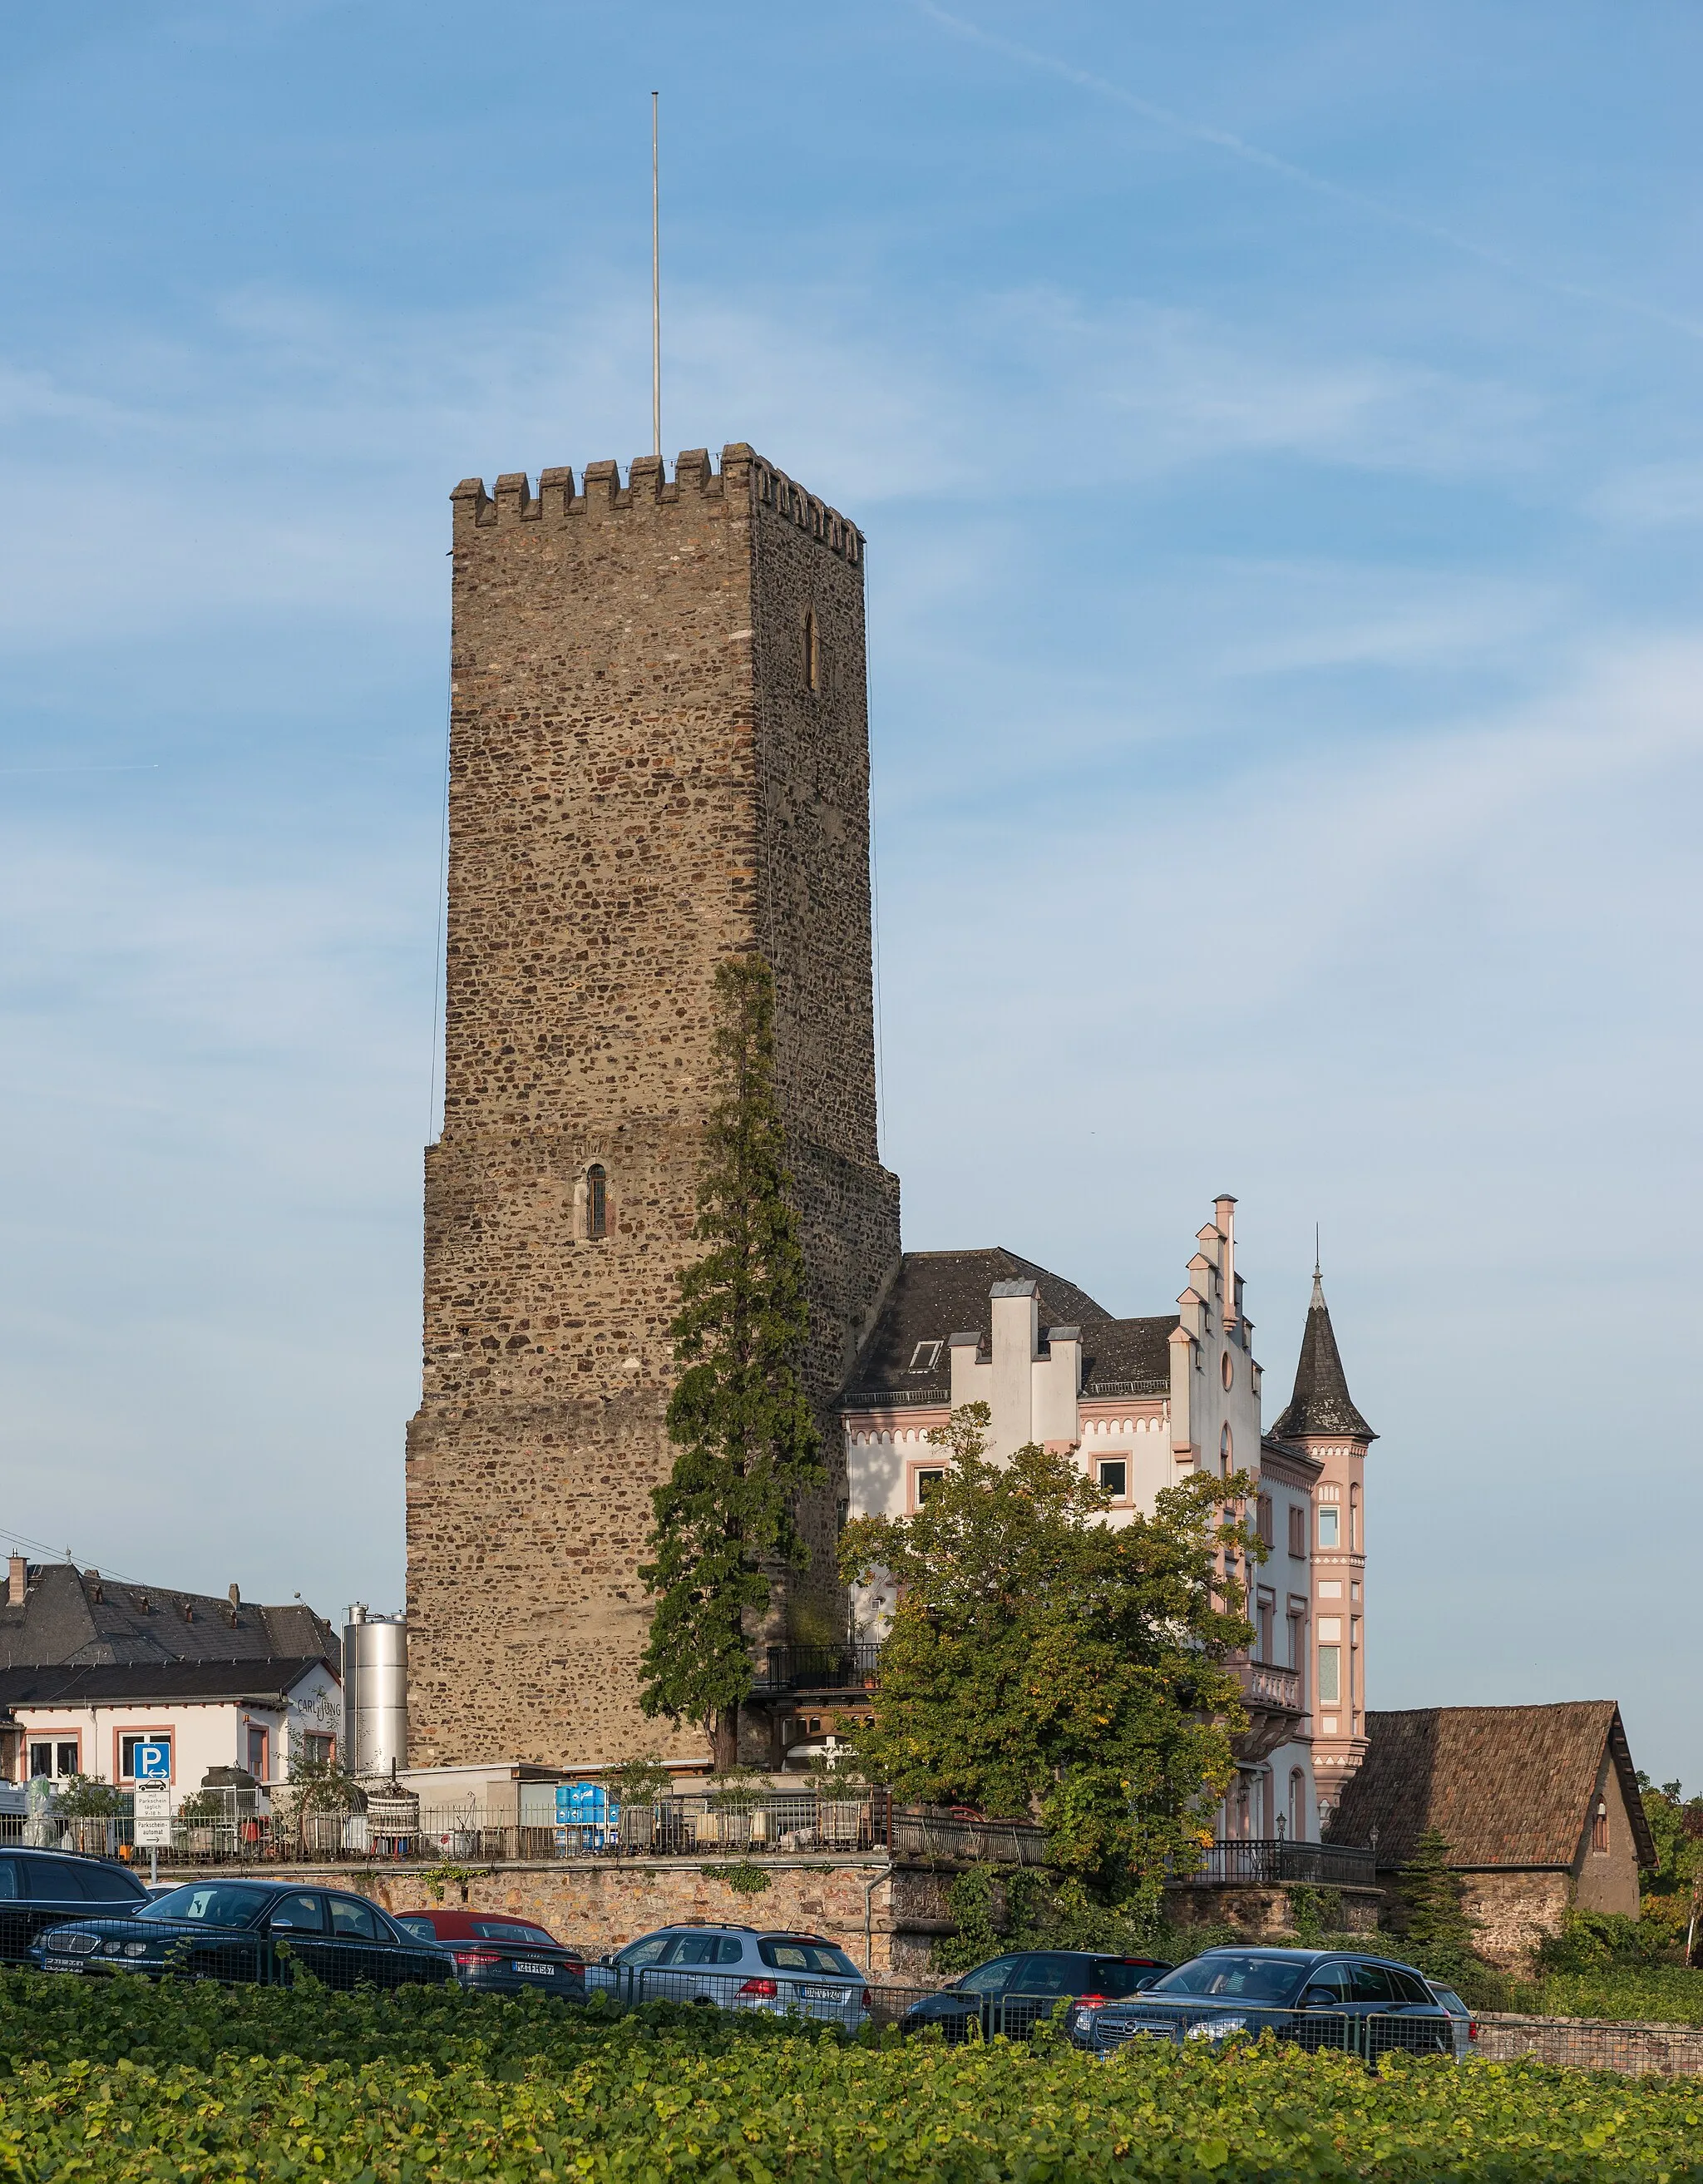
(88, 1798)
(321, 1785)
(739, 1417)
(1431, 1912)
(1042, 1664)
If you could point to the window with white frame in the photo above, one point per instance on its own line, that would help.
(923, 1356)
(52, 1758)
(1330, 1526)
(923, 1484)
(1114, 1476)
(1330, 1675)
(127, 1744)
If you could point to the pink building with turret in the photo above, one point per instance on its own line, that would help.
(1141, 1402)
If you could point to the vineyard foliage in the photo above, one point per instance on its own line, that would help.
(122, 2084)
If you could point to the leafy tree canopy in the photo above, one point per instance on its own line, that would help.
(739, 1416)
(1041, 1663)
(1676, 1821)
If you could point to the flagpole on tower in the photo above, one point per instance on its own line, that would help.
(655, 291)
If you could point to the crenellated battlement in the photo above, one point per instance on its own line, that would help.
(601, 494)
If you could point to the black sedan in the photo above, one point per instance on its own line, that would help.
(1011, 1995)
(43, 1888)
(1316, 1998)
(249, 1930)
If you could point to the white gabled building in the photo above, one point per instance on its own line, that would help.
(1139, 1402)
(260, 1716)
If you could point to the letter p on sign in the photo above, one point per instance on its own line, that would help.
(153, 1762)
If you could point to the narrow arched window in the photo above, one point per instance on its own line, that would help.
(597, 1202)
(1226, 1453)
(812, 658)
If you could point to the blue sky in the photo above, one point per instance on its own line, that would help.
(1277, 438)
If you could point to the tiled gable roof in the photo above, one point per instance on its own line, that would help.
(1507, 1785)
(1321, 1403)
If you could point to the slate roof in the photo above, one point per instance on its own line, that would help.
(1321, 1403)
(258, 1682)
(1508, 1785)
(937, 1294)
(73, 1616)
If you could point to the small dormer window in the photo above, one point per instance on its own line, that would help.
(597, 1202)
(923, 1356)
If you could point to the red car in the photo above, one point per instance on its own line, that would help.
(498, 1953)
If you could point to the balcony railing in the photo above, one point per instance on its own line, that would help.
(1267, 1859)
(1264, 1684)
(848, 1667)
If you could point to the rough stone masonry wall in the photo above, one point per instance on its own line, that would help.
(602, 1905)
(641, 785)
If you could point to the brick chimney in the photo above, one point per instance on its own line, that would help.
(17, 1581)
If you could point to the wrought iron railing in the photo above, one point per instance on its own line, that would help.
(588, 1823)
(1265, 1859)
(888, 1399)
(850, 1666)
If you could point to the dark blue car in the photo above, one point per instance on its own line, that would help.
(1316, 1998)
(1010, 1995)
(249, 1930)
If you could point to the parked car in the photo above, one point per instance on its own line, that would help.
(1011, 1994)
(1316, 1998)
(1461, 2020)
(249, 1930)
(43, 1888)
(739, 1967)
(500, 1955)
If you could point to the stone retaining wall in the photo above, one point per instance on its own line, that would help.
(1264, 1908)
(603, 1903)
(1593, 2043)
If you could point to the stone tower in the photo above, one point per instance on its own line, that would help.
(659, 758)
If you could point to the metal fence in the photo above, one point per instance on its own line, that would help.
(1264, 1860)
(1584, 2043)
(952, 2016)
(703, 1825)
(850, 1666)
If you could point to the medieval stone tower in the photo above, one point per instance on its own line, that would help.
(659, 758)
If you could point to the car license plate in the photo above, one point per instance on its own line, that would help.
(65, 1964)
(824, 1994)
(526, 1964)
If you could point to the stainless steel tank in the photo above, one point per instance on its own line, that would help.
(375, 1692)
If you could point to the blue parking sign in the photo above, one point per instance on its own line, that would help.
(152, 1762)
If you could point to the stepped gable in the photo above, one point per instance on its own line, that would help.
(937, 1294)
(73, 1617)
(1321, 1403)
(1511, 1785)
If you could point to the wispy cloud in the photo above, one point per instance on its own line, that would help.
(1226, 142)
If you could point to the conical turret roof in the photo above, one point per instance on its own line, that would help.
(1322, 1403)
